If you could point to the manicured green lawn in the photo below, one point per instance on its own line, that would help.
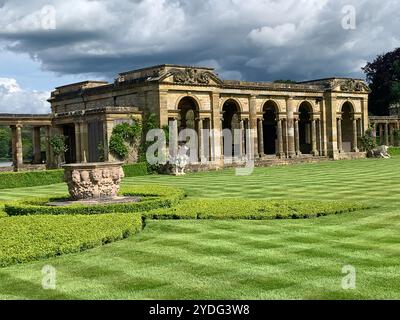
(295, 259)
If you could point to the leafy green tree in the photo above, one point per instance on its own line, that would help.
(58, 146)
(383, 76)
(5, 143)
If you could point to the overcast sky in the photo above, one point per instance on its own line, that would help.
(44, 44)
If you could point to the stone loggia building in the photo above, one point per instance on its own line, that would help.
(313, 119)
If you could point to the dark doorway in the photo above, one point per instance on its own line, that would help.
(96, 141)
(305, 111)
(270, 126)
(347, 127)
(69, 134)
(231, 116)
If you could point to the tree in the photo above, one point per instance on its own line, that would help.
(383, 76)
(5, 142)
(58, 146)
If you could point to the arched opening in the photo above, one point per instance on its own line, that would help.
(231, 121)
(305, 111)
(188, 112)
(270, 122)
(347, 127)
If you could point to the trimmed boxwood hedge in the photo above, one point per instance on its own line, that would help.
(136, 169)
(394, 151)
(9, 180)
(152, 197)
(252, 209)
(28, 238)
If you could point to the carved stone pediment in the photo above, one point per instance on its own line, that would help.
(192, 76)
(347, 85)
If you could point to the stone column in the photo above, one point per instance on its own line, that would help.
(374, 133)
(37, 157)
(297, 136)
(84, 142)
(290, 127)
(314, 150)
(253, 124)
(49, 160)
(319, 133)
(216, 144)
(386, 133)
(173, 134)
(280, 139)
(241, 143)
(78, 138)
(200, 135)
(260, 126)
(17, 147)
(354, 143)
(339, 135)
(108, 127)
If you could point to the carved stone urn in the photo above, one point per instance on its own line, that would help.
(93, 180)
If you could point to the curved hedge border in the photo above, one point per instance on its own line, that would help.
(252, 209)
(29, 238)
(153, 196)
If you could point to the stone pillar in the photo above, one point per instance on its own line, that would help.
(253, 124)
(374, 133)
(339, 135)
(173, 134)
(200, 135)
(260, 126)
(386, 133)
(84, 142)
(216, 143)
(290, 136)
(37, 156)
(319, 133)
(314, 150)
(108, 127)
(78, 148)
(49, 160)
(241, 140)
(297, 136)
(17, 147)
(354, 142)
(280, 139)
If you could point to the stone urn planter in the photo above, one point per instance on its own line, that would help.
(93, 180)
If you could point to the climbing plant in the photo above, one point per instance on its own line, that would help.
(368, 140)
(124, 136)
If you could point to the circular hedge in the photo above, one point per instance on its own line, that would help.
(152, 197)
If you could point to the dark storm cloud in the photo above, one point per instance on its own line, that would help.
(252, 40)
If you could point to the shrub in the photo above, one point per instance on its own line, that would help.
(394, 151)
(123, 137)
(28, 238)
(368, 142)
(152, 197)
(136, 169)
(10, 180)
(252, 209)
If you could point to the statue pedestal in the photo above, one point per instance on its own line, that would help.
(93, 180)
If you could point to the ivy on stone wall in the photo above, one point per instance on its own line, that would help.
(124, 136)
